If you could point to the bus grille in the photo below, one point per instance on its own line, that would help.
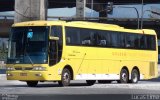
(152, 69)
(25, 68)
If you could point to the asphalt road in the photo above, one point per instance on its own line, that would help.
(80, 87)
(79, 90)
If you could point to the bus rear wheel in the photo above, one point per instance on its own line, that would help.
(134, 76)
(32, 83)
(91, 82)
(65, 78)
(104, 81)
(124, 76)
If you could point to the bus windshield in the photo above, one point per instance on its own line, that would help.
(28, 45)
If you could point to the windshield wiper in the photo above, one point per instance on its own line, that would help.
(32, 63)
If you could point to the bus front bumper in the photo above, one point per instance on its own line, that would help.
(29, 75)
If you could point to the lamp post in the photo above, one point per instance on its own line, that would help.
(136, 12)
(142, 15)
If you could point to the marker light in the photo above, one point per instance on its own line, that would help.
(10, 68)
(39, 68)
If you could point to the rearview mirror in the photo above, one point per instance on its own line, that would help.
(54, 38)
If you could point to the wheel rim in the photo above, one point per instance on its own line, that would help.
(135, 77)
(66, 77)
(124, 76)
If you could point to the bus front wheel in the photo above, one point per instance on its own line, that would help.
(65, 78)
(90, 82)
(32, 83)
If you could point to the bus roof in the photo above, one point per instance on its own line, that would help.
(92, 24)
(38, 23)
(85, 24)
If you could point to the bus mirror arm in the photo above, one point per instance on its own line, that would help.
(54, 38)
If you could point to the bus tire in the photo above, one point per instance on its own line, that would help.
(32, 83)
(91, 82)
(124, 76)
(134, 76)
(104, 81)
(65, 77)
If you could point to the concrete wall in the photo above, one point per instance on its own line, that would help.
(27, 10)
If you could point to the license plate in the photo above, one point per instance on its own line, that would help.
(23, 74)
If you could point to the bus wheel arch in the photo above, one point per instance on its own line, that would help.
(135, 75)
(71, 70)
(135, 67)
(66, 76)
(124, 75)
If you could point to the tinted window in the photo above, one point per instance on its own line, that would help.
(131, 40)
(114, 39)
(73, 36)
(137, 41)
(151, 43)
(121, 40)
(86, 37)
(143, 44)
(100, 38)
(104, 39)
(57, 32)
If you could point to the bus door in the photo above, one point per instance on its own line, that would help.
(55, 45)
(53, 50)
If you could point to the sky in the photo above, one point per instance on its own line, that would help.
(131, 12)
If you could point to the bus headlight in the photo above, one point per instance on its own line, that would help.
(10, 68)
(38, 68)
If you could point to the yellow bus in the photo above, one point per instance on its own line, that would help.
(78, 50)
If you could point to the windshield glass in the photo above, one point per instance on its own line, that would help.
(28, 45)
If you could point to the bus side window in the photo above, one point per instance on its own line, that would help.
(130, 40)
(86, 42)
(151, 44)
(114, 39)
(137, 42)
(103, 42)
(68, 40)
(85, 37)
(143, 42)
(121, 40)
(72, 36)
